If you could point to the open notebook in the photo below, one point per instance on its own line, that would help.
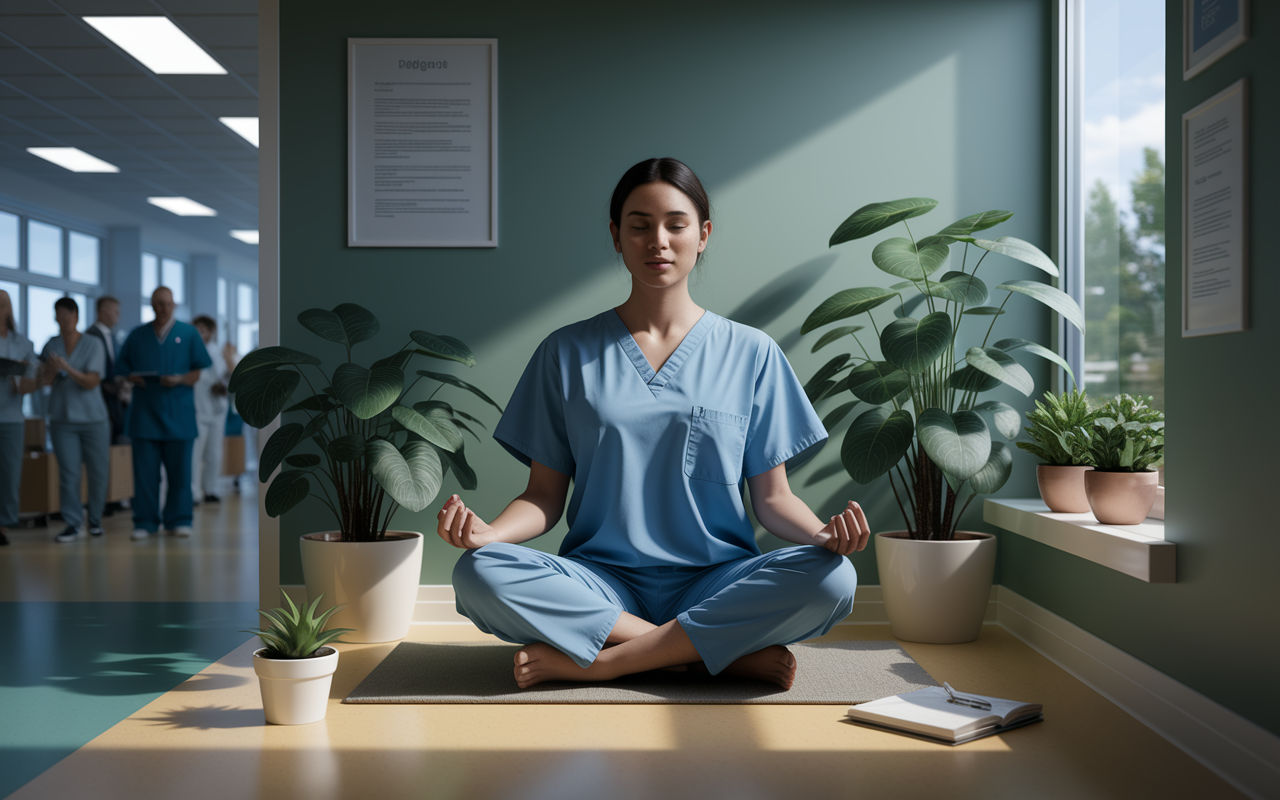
(927, 713)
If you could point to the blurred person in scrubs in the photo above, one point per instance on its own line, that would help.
(211, 415)
(162, 359)
(14, 347)
(73, 366)
(658, 411)
(103, 329)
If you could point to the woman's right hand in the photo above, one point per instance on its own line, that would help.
(460, 527)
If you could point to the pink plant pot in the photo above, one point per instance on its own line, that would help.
(1121, 498)
(1062, 488)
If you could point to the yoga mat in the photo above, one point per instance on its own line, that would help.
(836, 673)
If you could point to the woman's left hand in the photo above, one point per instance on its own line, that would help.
(847, 532)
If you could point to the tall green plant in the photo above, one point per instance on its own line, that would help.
(1060, 430)
(1127, 436)
(927, 414)
(375, 452)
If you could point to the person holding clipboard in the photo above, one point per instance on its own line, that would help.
(163, 360)
(17, 377)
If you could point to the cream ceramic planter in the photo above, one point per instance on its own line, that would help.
(377, 582)
(936, 591)
(1062, 488)
(295, 691)
(1121, 498)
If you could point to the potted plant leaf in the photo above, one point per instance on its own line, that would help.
(1127, 440)
(296, 666)
(364, 450)
(926, 427)
(1060, 432)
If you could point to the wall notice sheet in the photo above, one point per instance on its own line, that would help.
(422, 148)
(1215, 214)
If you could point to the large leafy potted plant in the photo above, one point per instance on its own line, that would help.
(296, 666)
(1126, 441)
(1059, 431)
(364, 451)
(926, 428)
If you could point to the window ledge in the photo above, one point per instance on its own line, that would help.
(1137, 550)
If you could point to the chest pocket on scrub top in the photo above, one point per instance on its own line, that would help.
(717, 441)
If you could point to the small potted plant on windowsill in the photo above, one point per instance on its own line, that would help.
(296, 667)
(1126, 441)
(1060, 431)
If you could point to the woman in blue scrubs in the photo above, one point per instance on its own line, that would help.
(14, 347)
(657, 410)
(78, 422)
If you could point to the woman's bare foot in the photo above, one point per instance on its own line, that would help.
(774, 664)
(540, 662)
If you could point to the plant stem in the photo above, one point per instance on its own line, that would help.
(901, 507)
(963, 508)
(994, 317)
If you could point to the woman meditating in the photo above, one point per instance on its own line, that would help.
(657, 410)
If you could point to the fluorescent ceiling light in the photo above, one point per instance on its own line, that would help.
(73, 158)
(159, 44)
(245, 126)
(182, 206)
(248, 237)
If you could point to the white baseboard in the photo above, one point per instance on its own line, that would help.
(1240, 752)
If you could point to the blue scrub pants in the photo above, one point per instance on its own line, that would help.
(728, 610)
(10, 472)
(75, 443)
(147, 455)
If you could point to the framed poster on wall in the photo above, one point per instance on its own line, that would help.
(422, 149)
(1215, 214)
(1210, 30)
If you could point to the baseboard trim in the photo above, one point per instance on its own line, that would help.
(1241, 752)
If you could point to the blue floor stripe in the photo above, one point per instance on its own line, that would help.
(69, 671)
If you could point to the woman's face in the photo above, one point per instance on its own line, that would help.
(660, 237)
(66, 318)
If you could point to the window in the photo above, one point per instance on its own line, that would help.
(41, 326)
(8, 240)
(1115, 174)
(44, 248)
(246, 318)
(85, 254)
(224, 317)
(174, 275)
(150, 275)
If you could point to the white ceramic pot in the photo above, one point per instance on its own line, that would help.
(295, 691)
(936, 591)
(377, 581)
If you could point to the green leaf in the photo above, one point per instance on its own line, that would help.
(968, 379)
(432, 424)
(462, 427)
(821, 379)
(847, 303)
(316, 402)
(901, 258)
(1007, 419)
(833, 334)
(985, 311)
(904, 309)
(303, 460)
(367, 392)
(263, 394)
(878, 216)
(975, 222)
(347, 448)
(875, 442)
(461, 384)
(877, 382)
(958, 287)
(1025, 252)
(1056, 299)
(1009, 345)
(267, 357)
(913, 345)
(457, 461)
(286, 491)
(959, 443)
(277, 447)
(445, 347)
(323, 323)
(833, 419)
(995, 472)
(470, 418)
(412, 476)
(1002, 367)
(314, 426)
(358, 322)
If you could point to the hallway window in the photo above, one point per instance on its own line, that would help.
(246, 318)
(44, 248)
(84, 257)
(160, 271)
(8, 240)
(41, 326)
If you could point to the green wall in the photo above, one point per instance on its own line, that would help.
(1215, 629)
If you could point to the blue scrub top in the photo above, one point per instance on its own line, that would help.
(68, 401)
(657, 460)
(19, 348)
(159, 412)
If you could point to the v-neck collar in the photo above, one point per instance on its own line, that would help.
(657, 380)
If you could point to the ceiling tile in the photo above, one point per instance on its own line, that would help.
(48, 87)
(221, 30)
(48, 30)
(127, 86)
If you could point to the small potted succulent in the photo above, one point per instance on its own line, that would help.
(296, 667)
(1127, 440)
(1060, 429)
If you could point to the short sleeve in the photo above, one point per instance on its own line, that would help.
(783, 423)
(533, 426)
